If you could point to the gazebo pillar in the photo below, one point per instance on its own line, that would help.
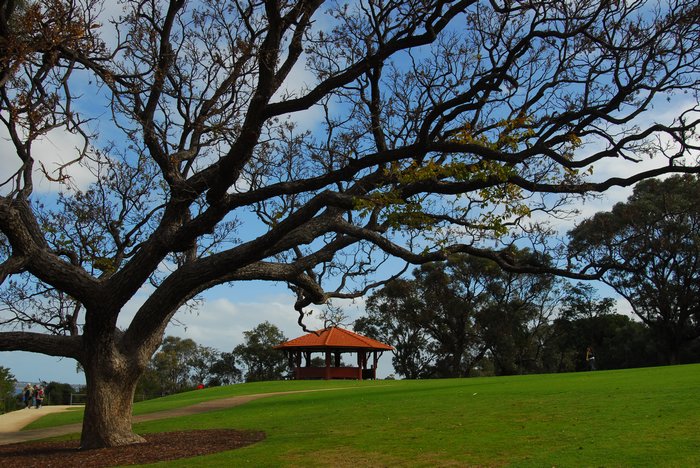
(374, 365)
(327, 374)
(363, 361)
(359, 364)
(297, 367)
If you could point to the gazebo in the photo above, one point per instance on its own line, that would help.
(333, 342)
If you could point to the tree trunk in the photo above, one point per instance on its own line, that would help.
(111, 383)
(673, 353)
(673, 345)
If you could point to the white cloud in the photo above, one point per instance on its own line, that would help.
(55, 149)
(220, 322)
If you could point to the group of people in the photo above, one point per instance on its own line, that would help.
(33, 396)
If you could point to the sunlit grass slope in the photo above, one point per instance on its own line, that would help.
(640, 417)
(198, 396)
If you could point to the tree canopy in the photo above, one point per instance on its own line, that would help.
(452, 314)
(305, 142)
(499, 323)
(649, 248)
(257, 356)
(181, 365)
(393, 315)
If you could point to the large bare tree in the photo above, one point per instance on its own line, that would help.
(306, 142)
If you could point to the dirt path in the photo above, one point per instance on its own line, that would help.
(16, 420)
(11, 423)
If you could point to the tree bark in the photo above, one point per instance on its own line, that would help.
(111, 382)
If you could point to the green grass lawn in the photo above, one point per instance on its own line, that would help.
(198, 396)
(639, 417)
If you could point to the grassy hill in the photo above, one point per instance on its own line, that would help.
(638, 417)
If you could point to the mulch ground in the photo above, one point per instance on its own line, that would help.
(158, 447)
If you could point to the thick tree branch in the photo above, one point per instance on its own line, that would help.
(51, 345)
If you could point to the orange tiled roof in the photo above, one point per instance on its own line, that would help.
(334, 337)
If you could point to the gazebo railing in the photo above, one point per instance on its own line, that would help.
(332, 373)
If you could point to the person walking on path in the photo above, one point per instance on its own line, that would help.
(39, 395)
(28, 391)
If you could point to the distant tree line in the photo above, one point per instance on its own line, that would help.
(467, 315)
(181, 364)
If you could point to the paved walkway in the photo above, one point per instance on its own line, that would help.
(16, 420)
(11, 423)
